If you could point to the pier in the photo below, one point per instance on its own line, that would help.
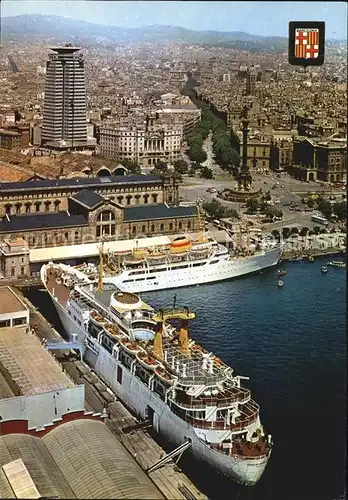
(130, 431)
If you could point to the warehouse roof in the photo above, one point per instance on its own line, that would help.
(49, 220)
(92, 249)
(80, 181)
(157, 211)
(79, 459)
(88, 198)
(38, 461)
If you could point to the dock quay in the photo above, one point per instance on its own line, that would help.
(169, 478)
(311, 253)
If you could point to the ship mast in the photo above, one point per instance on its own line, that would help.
(101, 267)
(202, 238)
(248, 240)
(240, 245)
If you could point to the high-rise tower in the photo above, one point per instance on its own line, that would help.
(251, 81)
(64, 114)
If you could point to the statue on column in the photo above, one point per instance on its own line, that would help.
(244, 177)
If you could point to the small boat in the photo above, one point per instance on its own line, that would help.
(280, 283)
(324, 269)
(282, 272)
(296, 259)
(337, 263)
(310, 259)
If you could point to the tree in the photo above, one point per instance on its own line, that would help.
(276, 234)
(310, 203)
(131, 166)
(181, 166)
(286, 232)
(207, 173)
(214, 208)
(340, 209)
(325, 208)
(316, 230)
(231, 213)
(304, 231)
(161, 166)
(218, 211)
(252, 204)
(294, 230)
(323, 231)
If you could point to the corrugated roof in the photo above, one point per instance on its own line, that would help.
(47, 477)
(157, 211)
(95, 464)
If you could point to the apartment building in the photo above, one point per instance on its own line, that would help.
(320, 159)
(147, 143)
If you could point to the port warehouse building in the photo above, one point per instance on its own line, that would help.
(50, 446)
(83, 211)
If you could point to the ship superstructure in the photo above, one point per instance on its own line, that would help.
(186, 392)
(185, 263)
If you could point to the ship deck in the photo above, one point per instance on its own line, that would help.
(196, 375)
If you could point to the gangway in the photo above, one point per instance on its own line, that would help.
(167, 458)
(58, 345)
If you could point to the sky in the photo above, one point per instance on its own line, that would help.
(258, 18)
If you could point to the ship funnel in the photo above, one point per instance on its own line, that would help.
(158, 342)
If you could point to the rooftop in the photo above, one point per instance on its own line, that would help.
(157, 211)
(80, 181)
(88, 198)
(9, 302)
(50, 220)
(78, 459)
(31, 368)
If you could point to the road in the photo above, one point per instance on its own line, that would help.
(293, 191)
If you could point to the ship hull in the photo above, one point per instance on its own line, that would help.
(210, 272)
(146, 404)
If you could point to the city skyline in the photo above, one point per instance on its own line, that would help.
(258, 18)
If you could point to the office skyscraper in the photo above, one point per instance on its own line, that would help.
(64, 113)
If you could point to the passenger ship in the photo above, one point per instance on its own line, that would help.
(189, 395)
(185, 263)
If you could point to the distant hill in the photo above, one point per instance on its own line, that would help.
(62, 28)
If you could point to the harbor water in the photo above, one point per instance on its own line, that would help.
(291, 342)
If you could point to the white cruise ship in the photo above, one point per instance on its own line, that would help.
(191, 397)
(186, 263)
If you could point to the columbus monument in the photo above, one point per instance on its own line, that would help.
(244, 190)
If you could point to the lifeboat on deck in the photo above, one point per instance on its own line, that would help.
(147, 361)
(97, 318)
(164, 375)
(113, 330)
(130, 346)
(181, 244)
